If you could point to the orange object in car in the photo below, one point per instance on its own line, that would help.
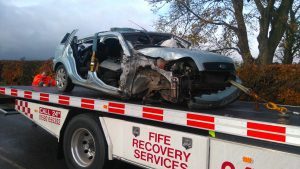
(43, 80)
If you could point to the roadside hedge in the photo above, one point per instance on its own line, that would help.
(22, 72)
(278, 83)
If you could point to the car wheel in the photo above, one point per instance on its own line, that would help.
(63, 82)
(84, 143)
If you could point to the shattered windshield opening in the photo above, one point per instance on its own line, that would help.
(144, 39)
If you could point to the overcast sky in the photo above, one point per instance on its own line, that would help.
(33, 28)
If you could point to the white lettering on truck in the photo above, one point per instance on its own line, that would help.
(50, 115)
(158, 150)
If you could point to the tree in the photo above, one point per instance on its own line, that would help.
(291, 42)
(273, 23)
(223, 25)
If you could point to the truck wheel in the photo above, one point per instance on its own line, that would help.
(84, 143)
(63, 82)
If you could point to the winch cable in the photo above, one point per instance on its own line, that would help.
(269, 105)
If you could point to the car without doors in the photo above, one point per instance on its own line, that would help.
(135, 64)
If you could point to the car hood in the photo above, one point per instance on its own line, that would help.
(198, 56)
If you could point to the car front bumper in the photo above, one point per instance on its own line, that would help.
(215, 100)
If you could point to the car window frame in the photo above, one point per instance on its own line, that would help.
(123, 43)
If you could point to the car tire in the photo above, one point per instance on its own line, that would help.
(84, 143)
(63, 82)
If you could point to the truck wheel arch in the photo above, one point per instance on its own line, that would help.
(84, 141)
(70, 116)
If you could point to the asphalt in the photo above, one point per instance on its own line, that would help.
(25, 146)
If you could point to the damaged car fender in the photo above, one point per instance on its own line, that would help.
(198, 56)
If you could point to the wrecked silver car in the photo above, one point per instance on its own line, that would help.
(135, 64)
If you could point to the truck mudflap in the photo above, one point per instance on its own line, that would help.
(156, 147)
(231, 155)
(48, 117)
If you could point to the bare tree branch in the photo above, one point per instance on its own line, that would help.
(260, 6)
(228, 48)
(205, 20)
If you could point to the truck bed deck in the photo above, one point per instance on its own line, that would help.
(238, 109)
(238, 122)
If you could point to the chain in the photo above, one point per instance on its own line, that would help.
(269, 105)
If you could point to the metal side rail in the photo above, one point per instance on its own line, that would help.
(236, 119)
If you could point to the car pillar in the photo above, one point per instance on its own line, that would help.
(93, 59)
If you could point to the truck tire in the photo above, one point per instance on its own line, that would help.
(84, 143)
(63, 82)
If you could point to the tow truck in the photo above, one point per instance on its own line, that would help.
(92, 130)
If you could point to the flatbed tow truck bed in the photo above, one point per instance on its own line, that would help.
(238, 109)
(236, 125)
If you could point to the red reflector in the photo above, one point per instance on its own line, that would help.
(202, 125)
(64, 97)
(44, 97)
(65, 100)
(267, 136)
(153, 116)
(14, 92)
(28, 94)
(117, 111)
(87, 103)
(153, 110)
(2, 90)
(200, 117)
(266, 127)
(87, 106)
(116, 105)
